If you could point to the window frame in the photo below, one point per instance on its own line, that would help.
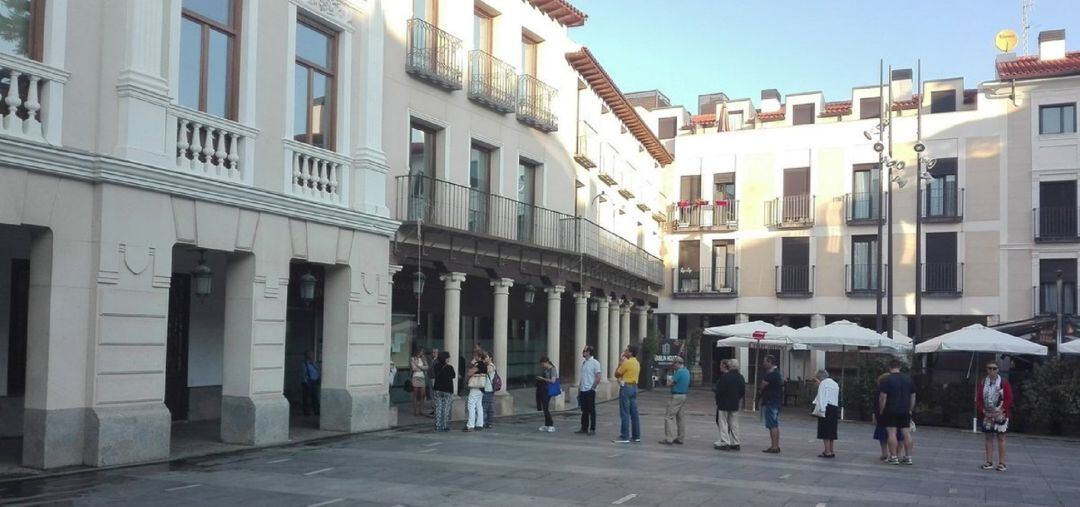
(529, 41)
(939, 93)
(234, 33)
(875, 111)
(797, 108)
(668, 125)
(1061, 118)
(332, 77)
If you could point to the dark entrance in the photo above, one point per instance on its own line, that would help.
(176, 347)
(303, 330)
(20, 297)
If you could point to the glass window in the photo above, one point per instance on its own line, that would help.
(529, 49)
(803, 114)
(526, 196)
(427, 10)
(943, 101)
(421, 170)
(667, 127)
(208, 30)
(313, 121)
(864, 263)
(735, 120)
(19, 20)
(482, 31)
(479, 178)
(869, 107)
(1057, 119)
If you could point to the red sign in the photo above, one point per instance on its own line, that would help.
(759, 335)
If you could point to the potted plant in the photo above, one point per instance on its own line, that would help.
(684, 203)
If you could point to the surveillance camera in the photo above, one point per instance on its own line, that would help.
(867, 135)
(920, 147)
(878, 147)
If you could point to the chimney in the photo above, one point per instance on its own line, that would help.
(1052, 44)
(770, 100)
(901, 85)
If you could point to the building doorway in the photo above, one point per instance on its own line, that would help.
(303, 334)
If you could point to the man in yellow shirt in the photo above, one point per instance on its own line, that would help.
(628, 372)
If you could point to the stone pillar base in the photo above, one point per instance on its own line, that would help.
(53, 438)
(352, 411)
(503, 404)
(254, 421)
(120, 435)
(571, 397)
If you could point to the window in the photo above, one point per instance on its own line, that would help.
(208, 61)
(723, 265)
(943, 101)
(313, 120)
(482, 31)
(479, 187)
(529, 54)
(724, 186)
(1057, 212)
(21, 26)
(942, 192)
(689, 266)
(803, 114)
(667, 127)
(1048, 294)
(1057, 119)
(796, 204)
(941, 271)
(421, 169)
(795, 265)
(735, 120)
(427, 10)
(690, 188)
(865, 186)
(869, 107)
(526, 196)
(864, 263)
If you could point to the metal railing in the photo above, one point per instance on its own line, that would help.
(1056, 224)
(943, 278)
(790, 211)
(862, 279)
(706, 281)
(433, 55)
(492, 82)
(448, 205)
(794, 281)
(943, 203)
(535, 106)
(712, 217)
(862, 208)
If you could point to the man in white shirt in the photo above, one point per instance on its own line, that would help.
(590, 377)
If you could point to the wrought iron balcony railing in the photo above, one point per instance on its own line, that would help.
(862, 208)
(536, 101)
(943, 203)
(861, 280)
(705, 282)
(447, 205)
(790, 212)
(492, 82)
(433, 55)
(1056, 224)
(720, 215)
(943, 278)
(795, 281)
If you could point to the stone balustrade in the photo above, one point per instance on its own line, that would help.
(26, 89)
(317, 174)
(209, 146)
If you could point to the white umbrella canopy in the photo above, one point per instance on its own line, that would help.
(1071, 347)
(979, 338)
(738, 341)
(899, 344)
(838, 335)
(747, 330)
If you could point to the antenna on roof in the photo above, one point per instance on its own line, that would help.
(1025, 21)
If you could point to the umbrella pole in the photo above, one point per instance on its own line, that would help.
(757, 374)
(843, 377)
(974, 409)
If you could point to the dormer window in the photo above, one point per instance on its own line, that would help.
(869, 107)
(803, 114)
(943, 101)
(735, 120)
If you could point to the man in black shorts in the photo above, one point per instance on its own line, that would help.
(895, 403)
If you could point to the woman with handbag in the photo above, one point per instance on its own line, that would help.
(827, 410)
(478, 380)
(443, 390)
(554, 388)
(994, 403)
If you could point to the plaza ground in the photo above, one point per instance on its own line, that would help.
(514, 464)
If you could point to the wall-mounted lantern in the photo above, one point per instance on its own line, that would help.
(202, 278)
(307, 288)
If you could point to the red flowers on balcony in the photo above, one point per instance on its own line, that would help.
(722, 202)
(702, 202)
(684, 204)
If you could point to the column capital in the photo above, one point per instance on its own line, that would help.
(502, 285)
(452, 280)
(625, 307)
(582, 295)
(394, 269)
(642, 308)
(555, 290)
(603, 302)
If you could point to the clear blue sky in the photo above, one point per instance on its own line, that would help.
(689, 47)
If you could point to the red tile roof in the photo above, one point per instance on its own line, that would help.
(911, 103)
(836, 108)
(561, 11)
(773, 116)
(586, 65)
(1030, 67)
(701, 119)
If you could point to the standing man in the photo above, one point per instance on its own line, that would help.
(771, 398)
(586, 398)
(730, 391)
(896, 401)
(309, 384)
(628, 372)
(674, 422)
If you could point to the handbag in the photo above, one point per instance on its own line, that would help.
(816, 412)
(496, 382)
(408, 384)
(476, 381)
(554, 389)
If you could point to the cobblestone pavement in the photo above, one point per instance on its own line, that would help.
(516, 465)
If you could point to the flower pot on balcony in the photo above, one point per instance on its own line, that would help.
(684, 204)
(702, 202)
(721, 203)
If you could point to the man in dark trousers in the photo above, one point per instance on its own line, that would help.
(730, 390)
(896, 401)
(771, 398)
(309, 384)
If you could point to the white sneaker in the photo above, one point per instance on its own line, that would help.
(543, 428)
(551, 429)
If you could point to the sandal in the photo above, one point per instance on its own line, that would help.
(1001, 467)
(988, 466)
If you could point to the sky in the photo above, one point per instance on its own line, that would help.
(686, 48)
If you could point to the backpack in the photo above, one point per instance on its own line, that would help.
(496, 382)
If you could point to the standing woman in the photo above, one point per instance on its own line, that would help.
(550, 378)
(994, 403)
(827, 409)
(879, 426)
(443, 390)
(489, 392)
(419, 367)
(478, 379)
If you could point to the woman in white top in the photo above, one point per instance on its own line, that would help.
(419, 367)
(827, 409)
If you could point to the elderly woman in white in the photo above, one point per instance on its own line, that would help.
(827, 409)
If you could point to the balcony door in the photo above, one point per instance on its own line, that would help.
(796, 205)
(689, 266)
(864, 263)
(424, 38)
(1057, 209)
(724, 198)
(942, 191)
(865, 185)
(526, 196)
(795, 265)
(723, 259)
(1048, 295)
(479, 188)
(421, 172)
(530, 50)
(941, 270)
(689, 193)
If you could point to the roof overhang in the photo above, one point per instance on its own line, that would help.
(561, 11)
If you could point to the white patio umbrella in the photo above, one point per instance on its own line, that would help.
(746, 330)
(900, 344)
(738, 341)
(1071, 347)
(838, 336)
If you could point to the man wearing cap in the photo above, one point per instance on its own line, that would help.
(674, 422)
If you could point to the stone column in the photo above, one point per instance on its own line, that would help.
(368, 192)
(900, 324)
(624, 325)
(602, 344)
(642, 324)
(581, 306)
(452, 318)
(498, 332)
(817, 357)
(613, 338)
(673, 326)
(554, 322)
(141, 88)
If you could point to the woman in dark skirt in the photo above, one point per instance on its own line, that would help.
(827, 410)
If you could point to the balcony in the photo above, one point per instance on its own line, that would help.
(705, 282)
(587, 151)
(790, 212)
(862, 208)
(317, 174)
(1056, 225)
(492, 82)
(30, 95)
(210, 147)
(861, 280)
(943, 279)
(536, 100)
(943, 204)
(446, 205)
(716, 216)
(433, 55)
(794, 281)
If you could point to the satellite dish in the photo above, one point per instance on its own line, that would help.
(1006, 40)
